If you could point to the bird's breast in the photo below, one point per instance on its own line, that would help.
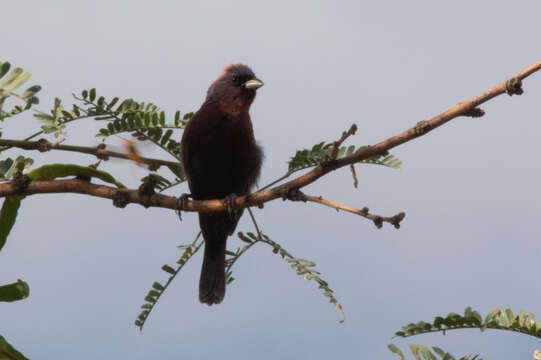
(222, 156)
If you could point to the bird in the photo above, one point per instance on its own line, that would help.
(221, 160)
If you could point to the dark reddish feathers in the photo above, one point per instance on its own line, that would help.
(220, 158)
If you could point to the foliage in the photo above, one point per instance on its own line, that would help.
(422, 352)
(312, 157)
(145, 121)
(496, 319)
(8, 166)
(13, 80)
(301, 266)
(158, 289)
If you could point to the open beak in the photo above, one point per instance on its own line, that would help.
(253, 84)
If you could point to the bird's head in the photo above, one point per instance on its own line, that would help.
(235, 88)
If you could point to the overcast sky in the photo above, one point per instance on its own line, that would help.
(470, 189)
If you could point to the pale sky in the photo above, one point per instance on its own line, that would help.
(470, 189)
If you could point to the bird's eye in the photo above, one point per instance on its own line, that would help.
(235, 79)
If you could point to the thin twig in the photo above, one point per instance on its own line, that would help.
(255, 223)
(354, 175)
(377, 219)
(333, 151)
(234, 259)
(41, 131)
(283, 177)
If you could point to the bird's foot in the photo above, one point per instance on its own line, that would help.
(228, 201)
(181, 203)
(249, 198)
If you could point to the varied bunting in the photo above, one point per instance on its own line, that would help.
(221, 159)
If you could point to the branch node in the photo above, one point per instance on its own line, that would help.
(43, 145)
(365, 210)
(421, 128)
(395, 220)
(293, 194)
(101, 153)
(513, 86)
(20, 181)
(378, 221)
(121, 199)
(475, 112)
(149, 184)
(153, 166)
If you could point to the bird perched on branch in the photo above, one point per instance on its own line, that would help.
(222, 160)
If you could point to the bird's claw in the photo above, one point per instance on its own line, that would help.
(228, 201)
(181, 203)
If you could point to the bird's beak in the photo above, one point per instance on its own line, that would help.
(253, 84)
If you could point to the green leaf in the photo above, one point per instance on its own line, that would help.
(415, 351)
(168, 269)
(21, 163)
(8, 352)
(156, 285)
(438, 351)
(112, 103)
(31, 91)
(244, 238)
(45, 118)
(53, 171)
(4, 68)
(92, 95)
(395, 349)
(5, 165)
(510, 316)
(162, 118)
(19, 80)
(8, 215)
(11, 77)
(14, 292)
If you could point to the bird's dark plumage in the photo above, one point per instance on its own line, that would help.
(221, 158)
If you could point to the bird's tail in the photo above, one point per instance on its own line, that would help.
(216, 229)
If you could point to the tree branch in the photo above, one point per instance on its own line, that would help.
(99, 151)
(123, 197)
(120, 197)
